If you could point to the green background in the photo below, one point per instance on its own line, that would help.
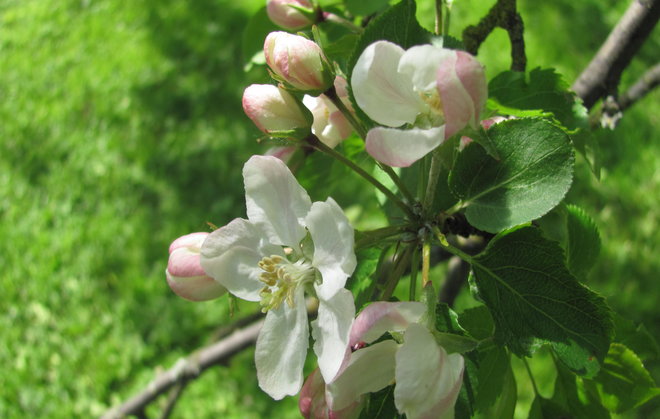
(121, 129)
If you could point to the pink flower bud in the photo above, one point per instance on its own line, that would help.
(275, 110)
(463, 90)
(184, 273)
(282, 153)
(298, 62)
(283, 14)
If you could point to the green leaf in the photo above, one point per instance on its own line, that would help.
(583, 240)
(533, 298)
(339, 50)
(586, 143)
(453, 343)
(397, 24)
(505, 405)
(623, 382)
(532, 177)
(494, 366)
(571, 394)
(364, 7)
(511, 93)
(543, 408)
(636, 337)
(478, 322)
(380, 405)
(361, 283)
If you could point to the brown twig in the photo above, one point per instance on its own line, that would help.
(601, 76)
(504, 15)
(189, 368)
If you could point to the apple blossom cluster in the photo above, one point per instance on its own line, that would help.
(289, 249)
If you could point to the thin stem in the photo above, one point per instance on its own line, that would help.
(531, 376)
(442, 242)
(426, 263)
(378, 235)
(397, 272)
(331, 93)
(397, 181)
(438, 16)
(318, 145)
(445, 23)
(331, 17)
(414, 268)
(434, 174)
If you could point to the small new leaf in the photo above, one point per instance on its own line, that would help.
(623, 382)
(583, 241)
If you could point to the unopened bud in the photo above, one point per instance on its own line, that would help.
(184, 273)
(275, 111)
(298, 62)
(291, 14)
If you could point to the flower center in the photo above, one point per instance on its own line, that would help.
(281, 279)
(434, 116)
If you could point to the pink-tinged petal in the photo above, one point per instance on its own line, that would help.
(401, 148)
(282, 14)
(421, 64)
(369, 370)
(297, 61)
(334, 256)
(427, 379)
(231, 254)
(275, 200)
(281, 349)
(283, 153)
(473, 77)
(189, 240)
(195, 288)
(312, 403)
(330, 331)
(384, 94)
(330, 125)
(273, 109)
(462, 88)
(184, 272)
(380, 317)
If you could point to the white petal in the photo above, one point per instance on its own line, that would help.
(230, 256)
(333, 240)
(370, 369)
(427, 379)
(275, 200)
(330, 331)
(421, 64)
(381, 316)
(281, 349)
(401, 148)
(380, 90)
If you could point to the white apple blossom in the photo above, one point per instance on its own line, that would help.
(427, 378)
(269, 258)
(421, 96)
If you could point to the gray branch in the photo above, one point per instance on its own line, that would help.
(188, 368)
(644, 85)
(601, 77)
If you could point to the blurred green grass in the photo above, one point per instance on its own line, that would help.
(121, 128)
